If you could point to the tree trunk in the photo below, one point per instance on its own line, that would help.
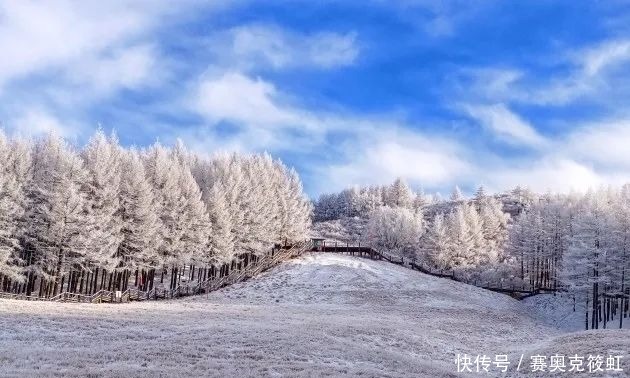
(58, 268)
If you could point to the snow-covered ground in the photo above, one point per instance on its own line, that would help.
(319, 315)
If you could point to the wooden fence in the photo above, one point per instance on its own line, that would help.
(516, 291)
(213, 283)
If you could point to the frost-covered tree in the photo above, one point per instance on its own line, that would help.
(296, 208)
(13, 177)
(463, 233)
(254, 202)
(396, 230)
(399, 194)
(163, 172)
(586, 268)
(222, 241)
(437, 242)
(539, 239)
(59, 232)
(456, 195)
(420, 201)
(139, 220)
(194, 223)
(84, 220)
(494, 224)
(101, 187)
(621, 214)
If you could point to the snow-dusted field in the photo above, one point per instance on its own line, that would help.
(319, 315)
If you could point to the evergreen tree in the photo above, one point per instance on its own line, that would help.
(396, 230)
(456, 195)
(399, 194)
(437, 242)
(101, 187)
(139, 220)
(56, 215)
(163, 174)
(12, 207)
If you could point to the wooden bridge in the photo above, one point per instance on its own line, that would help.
(518, 292)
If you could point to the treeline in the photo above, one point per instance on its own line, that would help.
(80, 220)
(359, 202)
(456, 234)
(578, 243)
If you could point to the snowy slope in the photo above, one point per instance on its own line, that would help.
(319, 315)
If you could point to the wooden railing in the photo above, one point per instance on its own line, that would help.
(253, 268)
(519, 292)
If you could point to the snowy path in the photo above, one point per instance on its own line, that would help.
(320, 315)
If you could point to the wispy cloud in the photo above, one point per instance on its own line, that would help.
(63, 57)
(382, 154)
(603, 143)
(259, 45)
(506, 125)
(610, 53)
(35, 122)
(587, 72)
(36, 36)
(235, 84)
(258, 114)
(233, 96)
(548, 173)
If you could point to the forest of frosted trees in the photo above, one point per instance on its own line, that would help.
(103, 216)
(577, 244)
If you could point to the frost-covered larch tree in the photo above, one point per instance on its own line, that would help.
(222, 241)
(84, 220)
(139, 220)
(395, 230)
(456, 195)
(13, 177)
(436, 243)
(195, 223)
(587, 265)
(399, 194)
(59, 231)
(296, 208)
(163, 174)
(101, 187)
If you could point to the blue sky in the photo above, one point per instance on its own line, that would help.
(493, 93)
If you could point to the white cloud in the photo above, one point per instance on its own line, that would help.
(331, 49)
(365, 149)
(587, 157)
(376, 151)
(384, 151)
(35, 36)
(547, 173)
(35, 122)
(62, 57)
(257, 45)
(128, 67)
(496, 83)
(506, 125)
(261, 114)
(235, 97)
(591, 74)
(596, 59)
(603, 143)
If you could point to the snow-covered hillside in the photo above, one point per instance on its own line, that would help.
(319, 315)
